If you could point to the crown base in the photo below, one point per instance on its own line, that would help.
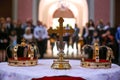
(57, 64)
(22, 62)
(102, 64)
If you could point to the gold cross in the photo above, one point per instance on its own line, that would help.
(61, 31)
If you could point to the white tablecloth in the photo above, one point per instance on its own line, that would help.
(44, 69)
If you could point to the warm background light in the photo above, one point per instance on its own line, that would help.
(79, 9)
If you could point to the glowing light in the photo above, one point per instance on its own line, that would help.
(75, 49)
(78, 7)
(70, 21)
(70, 50)
(79, 49)
(65, 48)
(55, 50)
(63, 4)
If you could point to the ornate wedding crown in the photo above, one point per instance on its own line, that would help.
(95, 56)
(22, 54)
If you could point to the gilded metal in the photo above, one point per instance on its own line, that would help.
(95, 62)
(60, 63)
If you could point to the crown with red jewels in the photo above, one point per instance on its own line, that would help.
(22, 54)
(95, 56)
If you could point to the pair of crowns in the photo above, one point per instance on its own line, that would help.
(92, 56)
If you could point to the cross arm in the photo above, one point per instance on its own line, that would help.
(51, 31)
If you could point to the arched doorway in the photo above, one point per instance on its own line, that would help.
(66, 14)
(79, 8)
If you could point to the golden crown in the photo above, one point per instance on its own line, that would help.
(22, 54)
(95, 56)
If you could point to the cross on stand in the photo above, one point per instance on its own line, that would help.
(61, 63)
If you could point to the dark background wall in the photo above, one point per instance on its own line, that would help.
(24, 9)
(5, 8)
(117, 12)
(102, 10)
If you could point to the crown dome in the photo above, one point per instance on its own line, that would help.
(23, 54)
(95, 56)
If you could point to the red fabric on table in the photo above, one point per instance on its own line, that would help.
(59, 78)
(92, 60)
(22, 58)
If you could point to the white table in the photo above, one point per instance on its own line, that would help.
(44, 69)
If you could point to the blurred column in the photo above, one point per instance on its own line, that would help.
(112, 12)
(14, 9)
(34, 11)
(91, 9)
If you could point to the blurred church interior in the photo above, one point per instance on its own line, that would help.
(76, 13)
(71, 34)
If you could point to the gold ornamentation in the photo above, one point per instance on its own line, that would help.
(96, 62)
(60, 63)
(29, 55)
